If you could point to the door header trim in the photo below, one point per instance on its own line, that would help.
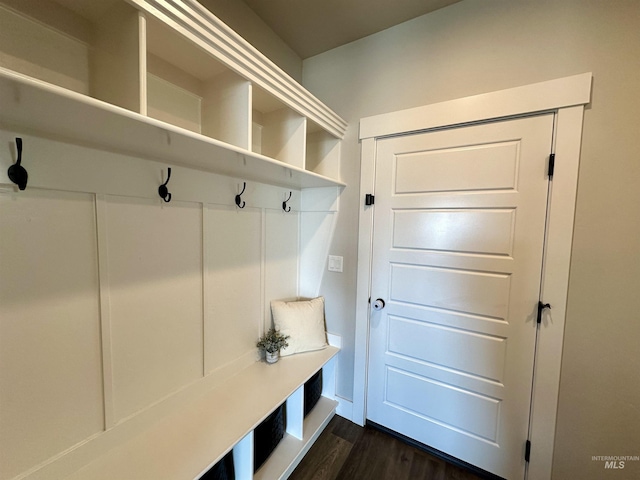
(536, 97)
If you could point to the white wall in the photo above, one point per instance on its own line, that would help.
(481, 46)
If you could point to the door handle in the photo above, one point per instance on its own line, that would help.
(378, 304)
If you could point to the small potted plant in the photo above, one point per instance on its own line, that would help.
(271, 342)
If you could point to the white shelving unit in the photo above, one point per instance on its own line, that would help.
(189, 440)
(34, 106)
(164, 80)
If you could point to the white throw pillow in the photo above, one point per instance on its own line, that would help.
(303, 321)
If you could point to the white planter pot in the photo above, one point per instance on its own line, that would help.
(272, 357)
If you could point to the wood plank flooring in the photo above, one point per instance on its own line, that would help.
(346, 451)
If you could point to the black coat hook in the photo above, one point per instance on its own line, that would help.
(17, 173)
(163, 191)
(285, 207)
(239, 200)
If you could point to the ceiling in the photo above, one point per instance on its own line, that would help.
(311, 27)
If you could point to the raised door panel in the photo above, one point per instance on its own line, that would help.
(455, 230)
(480, 293)
(441, 403)
(155, 288)
(50, 355)
(490, 166)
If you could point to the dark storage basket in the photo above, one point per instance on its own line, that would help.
(267, 435)
(312, 392)
(223, 470)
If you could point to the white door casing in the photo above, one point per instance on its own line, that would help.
(565, 96)
(459, 226)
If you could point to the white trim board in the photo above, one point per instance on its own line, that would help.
(566, 96)
(528, 99)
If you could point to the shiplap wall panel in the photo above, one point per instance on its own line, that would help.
(155, 287)
(233, 269)
(50, 354)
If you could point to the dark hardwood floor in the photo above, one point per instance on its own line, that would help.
(346, 451)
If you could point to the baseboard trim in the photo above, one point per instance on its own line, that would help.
(344, 408)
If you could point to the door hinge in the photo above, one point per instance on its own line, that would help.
(541, 307)
(527, 451)
(552, 164)
(369, 199)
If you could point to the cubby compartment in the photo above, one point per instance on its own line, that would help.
(268, 435)
(87, 46)
(277, 131)
(322, 151)
(189, 88)
(312, 392)
(224, 469)
(308, 410)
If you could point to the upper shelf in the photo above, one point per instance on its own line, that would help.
(164, 80)
(39, 107)
(201, 27)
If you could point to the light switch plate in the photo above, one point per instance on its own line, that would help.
(335, 263)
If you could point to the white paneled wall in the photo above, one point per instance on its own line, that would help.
(154, 289)
(234, 293)
(112, 301)
(50, 361)
(319, 207)
(281, 267)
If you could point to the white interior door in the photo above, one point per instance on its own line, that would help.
(458, 243)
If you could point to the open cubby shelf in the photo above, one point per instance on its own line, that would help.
(290, 450)
(164, 80)
(34, 106)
